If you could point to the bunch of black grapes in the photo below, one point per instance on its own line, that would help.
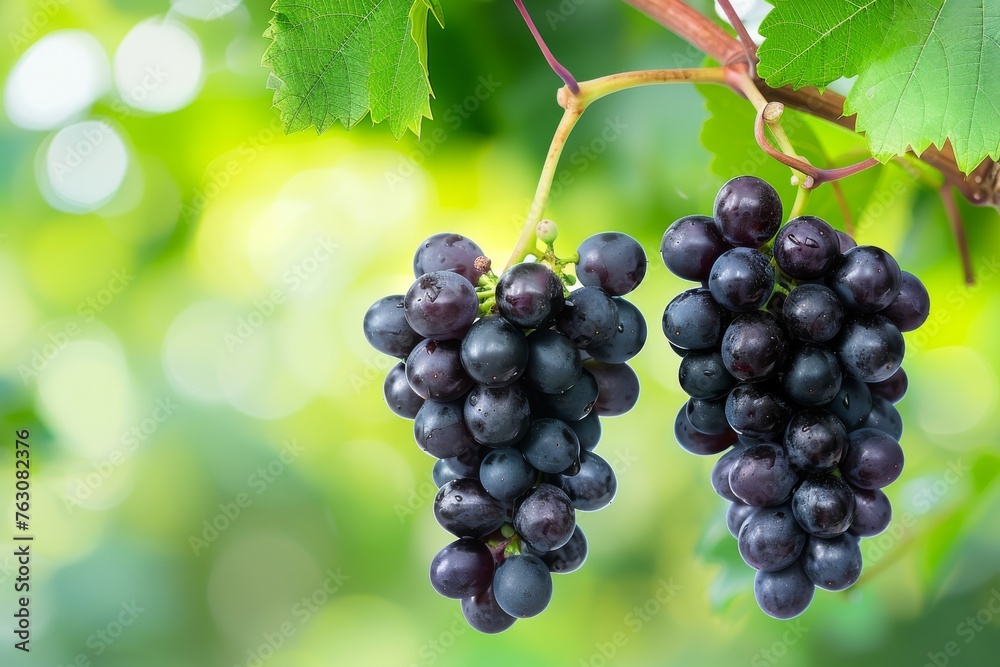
(506, 379)
(791, 356)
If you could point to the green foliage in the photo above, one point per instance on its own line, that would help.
(924, 69)
(814, 43)
(340, 60)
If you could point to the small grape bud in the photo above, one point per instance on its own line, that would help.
(546, 231)
(482, 264)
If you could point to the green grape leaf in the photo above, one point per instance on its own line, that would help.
(341, 60)
(934, 81)
(814, 43)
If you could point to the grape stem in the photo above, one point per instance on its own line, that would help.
(801, 200)
(574, 104)
(558, 68)
(958, 230)
(749, 46)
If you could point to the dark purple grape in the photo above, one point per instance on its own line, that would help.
(448, 252)
(441, 305)
(442, 473)
(545, 518)
(497, 416)
(806, 248)
(690, 247)
(467, 462)
(845, 241)
(464, 509)
(812, 313)
(873, 459)
(399, 396)
(866, 280)
(573, 404)
(870, 347)
(462, 569)
(440, 430)
(593, 487)
(852, 403)
(812, 375)
(550, 445)
(823, 505)
(494, 352)
(570, 557)
(693, 320)
(505, 474)
(741, 279)
(757, 411)
(770, 539)
(885, 418)
(484, 614)
(590, 317)
(529, 294)
(736, 516)
(754, 346)
(892, 388)
(553, 363)
(761, 476)
(523, 586)
(588, 431)
(692, 440)
(617, 387)
(703, 375)
(747, 211)
(708, 415)
(434, 371)
(387, 330)
(720, 474)
(911, 306)
(815, 441)
(612, 261)
(832, 564)
(627, 339)
(785, 594)
(872, 512)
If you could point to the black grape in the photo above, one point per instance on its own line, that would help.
(462, 569)
(593, 487)
(448, 252)
(912, 305)
(443, 473)
(708, 415)
(529, 295)
(870, 347)
(553, 363)
(866, 280)
(523, 586)
(815, 440)
(852, 404)
(497, 416)
(754, 346)
(546, 518)
(690, 247)
(399, 396)
(761, 476)
(872, 512)
(588, 431)
(484, 614)
(873, 459)
(736, 516)
(434, 371)
(573, 404)
(741, 279)
(747, 211)
(505, 474)
(440, 430)
(832, 564)
(806, 247)
(590, 317)
(823, 505)
(812, 313)
(884, 417)
(386, 328)
(692, 440)
(770, 539)
(612, 261)
(617, 387)
(693, 320)
(720, 474)
(703, 375)
(463, 508)
(627, 339)
(550, 445)
(567, 558)
(845, 241)
(784, 594)
(892, 388)
(812, 375)
(441, 305)
(494, 352)
(757, 411)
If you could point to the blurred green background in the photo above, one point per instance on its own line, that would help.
(216, 480)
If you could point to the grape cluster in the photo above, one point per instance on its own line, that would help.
(506, 379)
(791, 351)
